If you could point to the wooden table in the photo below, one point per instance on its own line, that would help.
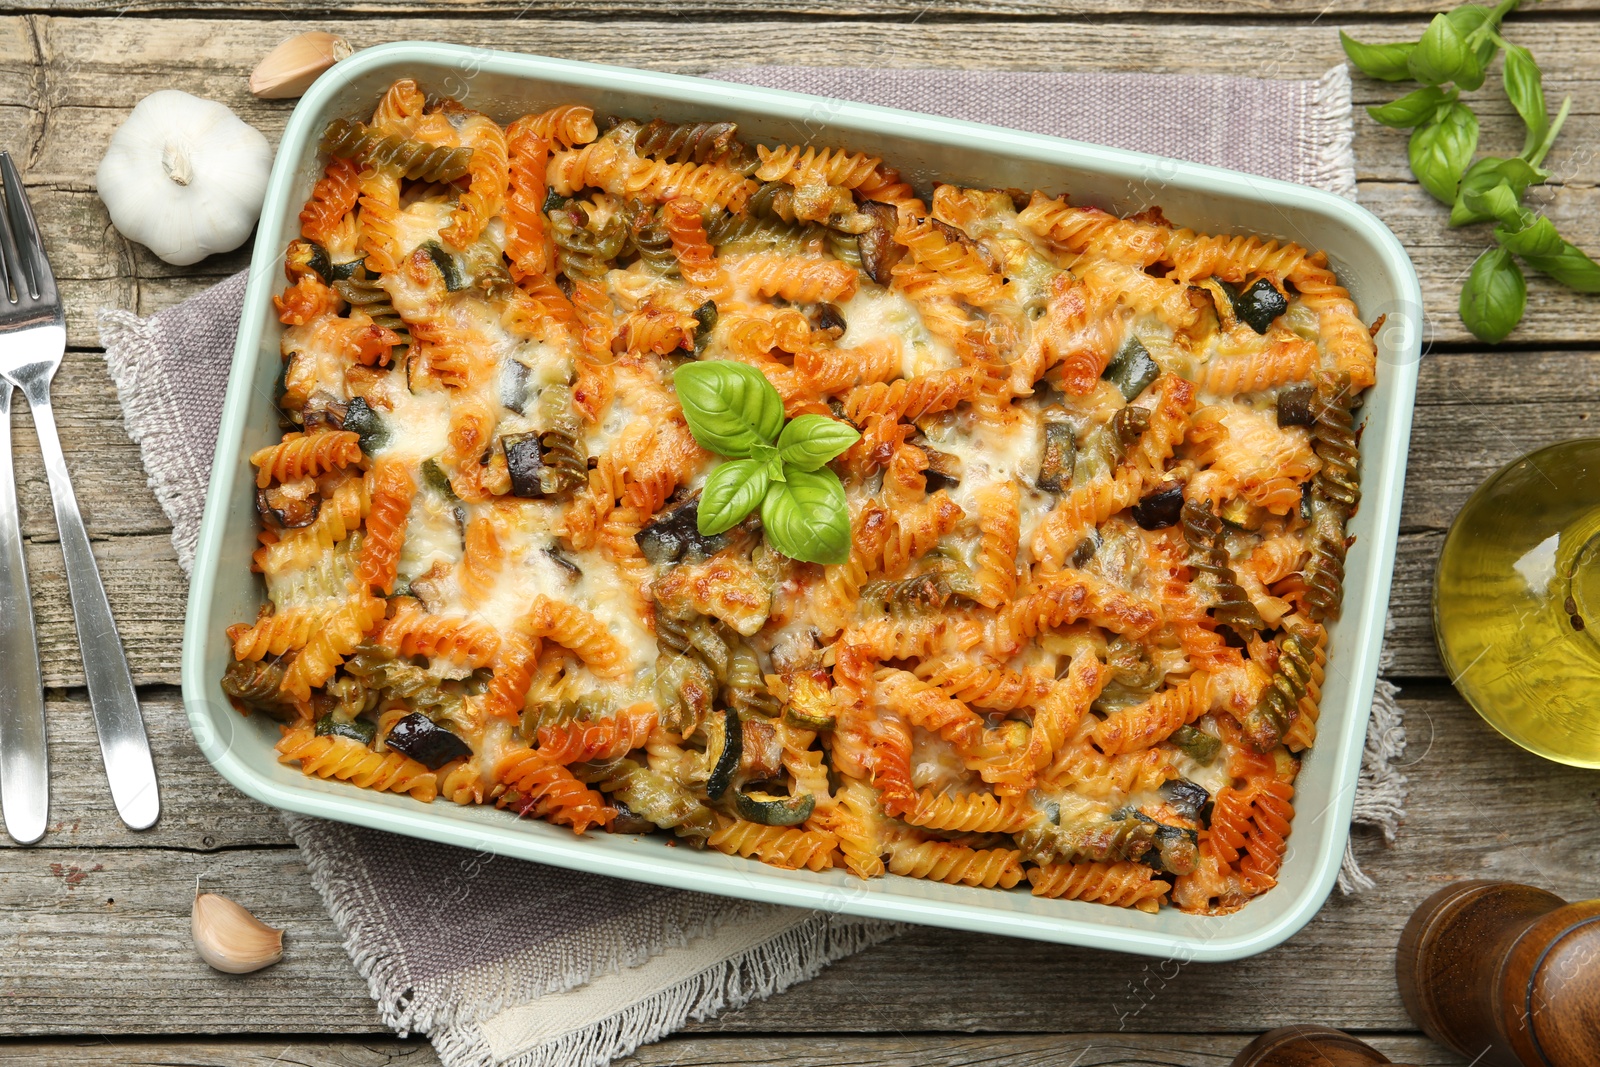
(95, 961)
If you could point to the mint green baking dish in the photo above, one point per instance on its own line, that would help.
(1367, 256)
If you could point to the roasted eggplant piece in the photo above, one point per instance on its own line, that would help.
(289, 506)
(368, 425)
(770, 810)
(1258, 305)
(1186, 798)
(944, 469)
(426, 741)
(1177, 849)
(355, 729)
(1294, 405)
(828, 320)
(514, 381)
(1161, 508)
(256, 684)
(1132, 369)
(724, 745)
(303, 256)
(1085, 550)
(628, 821)
(1196, 743)
(572, 571)
(525, 462)
(879, 253)
(1060, 457)
(676, 534)
(761, 754)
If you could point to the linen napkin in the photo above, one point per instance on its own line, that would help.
(503, 962)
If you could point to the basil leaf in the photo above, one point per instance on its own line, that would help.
(730, 407)
(734, 490)
(1493, 299)
(1489, 173)
(1543, 249)
(812, 440)
(1525, 89)
(1476, 25)
(1412, 109)
(1444, 56)
(1442, 147)
(1502, 204)
(1386, 62)
(807, 518)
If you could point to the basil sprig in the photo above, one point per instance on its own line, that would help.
(1456, 50)
(779, 468)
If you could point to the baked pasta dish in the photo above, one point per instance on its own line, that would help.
(644, 479)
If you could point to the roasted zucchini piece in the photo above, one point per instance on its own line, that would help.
(1258, 305)
(366, 424)
(355, 729)
(455, 279)
(809, 706)
(770, 810)
(1196, 743)
(705, 317)
(1132, 369)
(724, 746)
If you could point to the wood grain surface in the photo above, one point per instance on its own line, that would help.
(93, 922)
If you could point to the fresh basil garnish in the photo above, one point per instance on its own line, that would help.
(1494, 296)
(1386, 62)
(1442, 147)
(730, 407)
(807, 518)
(734, 490)
(733, 410)
(1476, 200)
(809, 442)
(1413, 108)
(1546, 251)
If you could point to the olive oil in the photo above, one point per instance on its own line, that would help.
(1516, 602)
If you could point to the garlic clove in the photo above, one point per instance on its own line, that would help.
(231, 939)
(289, 69)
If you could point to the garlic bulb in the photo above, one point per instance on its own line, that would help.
(184, 176)
(289, 69)
(231, 939)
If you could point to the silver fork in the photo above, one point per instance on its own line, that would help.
(33, 338)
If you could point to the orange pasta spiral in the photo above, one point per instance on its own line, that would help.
(301, 455)
(350, 761)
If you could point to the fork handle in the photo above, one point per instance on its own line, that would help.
(123, 745)
(24, 774)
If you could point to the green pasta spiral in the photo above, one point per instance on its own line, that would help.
(1279, 703)
(659, 799)
(1335, 491)
(585, 250)
(649, 237)
(363, 290)
(1208, 554)
(696, 142)
(746, 691)
(416, 160)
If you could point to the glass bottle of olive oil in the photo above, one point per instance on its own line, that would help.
(1516, 602)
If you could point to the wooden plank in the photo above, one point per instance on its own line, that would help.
(147, 593)
(1239, 10)
(200, 811)
(73, 958)
(772, 1050)
(97, 70)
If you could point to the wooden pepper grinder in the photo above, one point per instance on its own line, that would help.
(1506, 973)
(1309, 1046)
